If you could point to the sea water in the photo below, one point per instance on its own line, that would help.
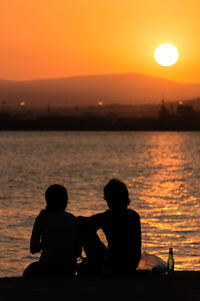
(161, 170)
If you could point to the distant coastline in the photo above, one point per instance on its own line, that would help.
(97, 123)
(180, 116)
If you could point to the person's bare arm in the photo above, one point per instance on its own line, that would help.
(35, 243)
(138, 239)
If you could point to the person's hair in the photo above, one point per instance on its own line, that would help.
(56, 198)
(116, 194)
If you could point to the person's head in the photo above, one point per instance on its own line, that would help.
(116, 194)
(56, 198)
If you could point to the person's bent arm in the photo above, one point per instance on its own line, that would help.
(99, 220)
(138, 240)
(35, 243)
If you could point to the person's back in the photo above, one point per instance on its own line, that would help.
(55, 234)
(59, 237)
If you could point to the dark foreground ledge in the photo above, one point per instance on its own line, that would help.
(143, 286)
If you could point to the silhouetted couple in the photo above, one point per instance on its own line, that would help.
(60, 236)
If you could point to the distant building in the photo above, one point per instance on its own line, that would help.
(163, 112)
(185, 110)
(182, 111)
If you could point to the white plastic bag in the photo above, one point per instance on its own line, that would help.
(152, 263)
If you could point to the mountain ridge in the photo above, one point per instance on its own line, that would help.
(122, 88)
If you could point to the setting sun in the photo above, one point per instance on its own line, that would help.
(166, 55)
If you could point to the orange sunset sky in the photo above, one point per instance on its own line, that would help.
(59, 38)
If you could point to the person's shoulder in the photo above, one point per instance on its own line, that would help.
(108, 212)
(41, 215)
(101, 217)
(41, 218)
(103, 214)
(133, 213)
(70, 215)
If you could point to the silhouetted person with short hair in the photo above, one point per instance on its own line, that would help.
(55, 233)
(121, 227)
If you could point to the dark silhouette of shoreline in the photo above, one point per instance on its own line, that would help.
(96, 123)
(166, 117)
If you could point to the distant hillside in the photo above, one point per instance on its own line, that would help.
(132, 89)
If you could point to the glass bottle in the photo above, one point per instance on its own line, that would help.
(170, 262)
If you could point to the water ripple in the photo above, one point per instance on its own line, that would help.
(161, 170)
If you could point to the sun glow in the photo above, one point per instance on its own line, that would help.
(166, 55)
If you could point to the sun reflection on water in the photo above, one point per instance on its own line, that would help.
(168, 209)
